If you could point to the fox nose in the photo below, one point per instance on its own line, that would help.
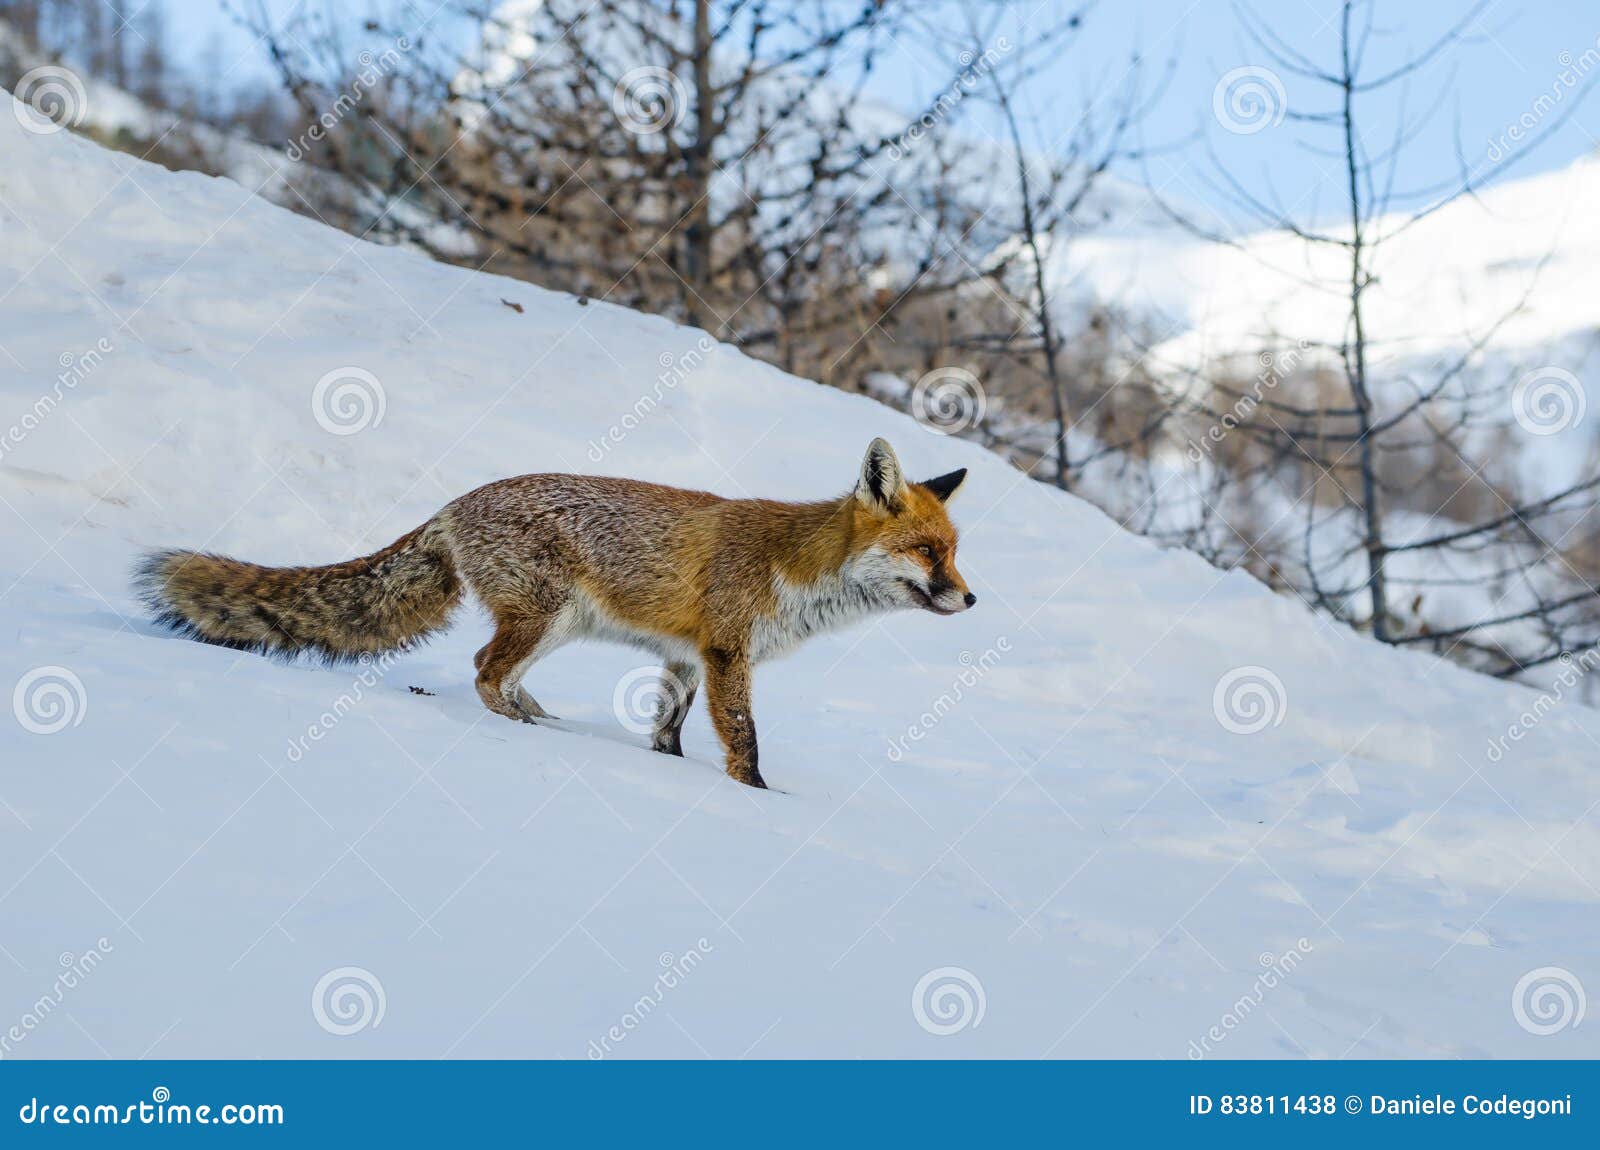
(969, 598)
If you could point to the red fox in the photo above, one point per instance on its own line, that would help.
(710, 585)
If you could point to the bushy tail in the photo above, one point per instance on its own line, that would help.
(384, 601)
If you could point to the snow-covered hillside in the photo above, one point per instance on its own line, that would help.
(1126, 803)
(1517, 259)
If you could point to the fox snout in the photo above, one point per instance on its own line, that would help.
(947, 592)
(930, 581)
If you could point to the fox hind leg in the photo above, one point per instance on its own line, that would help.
(518, 642)
(679, 682)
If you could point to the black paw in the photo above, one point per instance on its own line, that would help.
(668, 748)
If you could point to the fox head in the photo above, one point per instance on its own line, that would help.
(906, 544)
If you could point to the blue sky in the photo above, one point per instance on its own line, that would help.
(1514, 55)
(1510, 57)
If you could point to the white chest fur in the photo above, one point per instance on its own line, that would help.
(832, 602)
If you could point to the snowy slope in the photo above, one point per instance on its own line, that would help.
(1058, 794)
(95, 105)
(1523, 248)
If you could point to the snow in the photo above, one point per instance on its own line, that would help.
(1453, 274)
(1020, 831)
(1515, 259)
(1510, 265)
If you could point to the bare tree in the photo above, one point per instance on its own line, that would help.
(1054, 179)
(1397, 436)
(722, 164)
(678, 155)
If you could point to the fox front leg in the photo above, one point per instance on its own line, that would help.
(728, 697)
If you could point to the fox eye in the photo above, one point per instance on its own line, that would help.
(927, 552)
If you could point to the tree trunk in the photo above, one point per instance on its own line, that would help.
(1356, 364)
(697, 175)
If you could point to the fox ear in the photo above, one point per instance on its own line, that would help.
(882, 485)
(946, 485)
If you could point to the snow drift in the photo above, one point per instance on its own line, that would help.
(1130, 805)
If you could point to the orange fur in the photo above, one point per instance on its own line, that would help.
(712, 585)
